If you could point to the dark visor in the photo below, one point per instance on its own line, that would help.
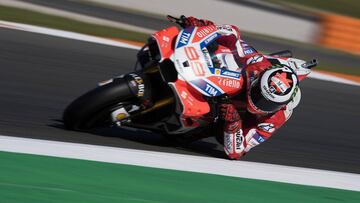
(260, 101)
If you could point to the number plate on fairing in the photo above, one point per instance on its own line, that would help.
(194, 64)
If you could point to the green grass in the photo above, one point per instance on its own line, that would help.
(35, 18)
(28, 178)
(343, 7)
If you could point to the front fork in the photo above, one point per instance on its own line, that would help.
(140, 86)
(148, 58)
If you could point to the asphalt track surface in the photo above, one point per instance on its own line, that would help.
(40, 75)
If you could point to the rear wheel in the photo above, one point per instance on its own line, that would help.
(94, 107)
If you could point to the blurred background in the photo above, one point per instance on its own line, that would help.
(325, 29)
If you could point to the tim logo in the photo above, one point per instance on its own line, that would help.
(211, 90)
(185, 37)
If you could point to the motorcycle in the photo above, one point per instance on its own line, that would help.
(176, 89)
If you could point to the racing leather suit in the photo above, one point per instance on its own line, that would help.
(243, 129)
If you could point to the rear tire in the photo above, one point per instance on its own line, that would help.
(94, 107)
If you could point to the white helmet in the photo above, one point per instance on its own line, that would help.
(272, 90)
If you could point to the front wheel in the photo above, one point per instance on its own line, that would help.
(94, 107)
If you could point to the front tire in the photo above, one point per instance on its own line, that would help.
(94, 107)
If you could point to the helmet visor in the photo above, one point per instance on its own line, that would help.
(260, 102)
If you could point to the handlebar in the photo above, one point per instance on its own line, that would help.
(310, 64)
(180, 21)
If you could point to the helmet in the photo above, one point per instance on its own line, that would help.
(275, 88)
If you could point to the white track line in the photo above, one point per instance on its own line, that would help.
(99, 40)
(243, 169)
(65, 34)
(73, 15)
(330, 78)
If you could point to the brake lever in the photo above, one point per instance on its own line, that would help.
(172, 19)
(179, 21)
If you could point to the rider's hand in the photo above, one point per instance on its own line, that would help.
(232, 118)
(229, 113)
(191, 21)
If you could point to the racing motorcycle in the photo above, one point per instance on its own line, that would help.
(176, 88)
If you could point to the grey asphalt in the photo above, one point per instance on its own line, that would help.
(40, 75)
(325, 56)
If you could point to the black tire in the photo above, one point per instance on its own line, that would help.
(93, 108)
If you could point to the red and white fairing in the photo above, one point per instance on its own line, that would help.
(197, 74)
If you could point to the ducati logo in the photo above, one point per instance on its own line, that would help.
(138, 81)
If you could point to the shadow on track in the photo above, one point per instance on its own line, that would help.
(206, 147)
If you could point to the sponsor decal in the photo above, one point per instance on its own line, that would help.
(119, 114)
(233, 83)
(267, 127)
(268, 92)
(239, 140)
(206, 87)
(138, 81)
(203, 32)
(185, 37)
(211, 90)
(228, 143)
(259, 138)
(255, 59)
(165, 42)
(216, 71)
(209, 40)
(179, 67)
(186, 98)
(225, 72)
(249, 50)
(230, 73)
(272, 89)
(295, 92)
(207, 57)
(224, 27)
(166, 38)
(183, 94)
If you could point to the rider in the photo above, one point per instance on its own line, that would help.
(269, 93)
